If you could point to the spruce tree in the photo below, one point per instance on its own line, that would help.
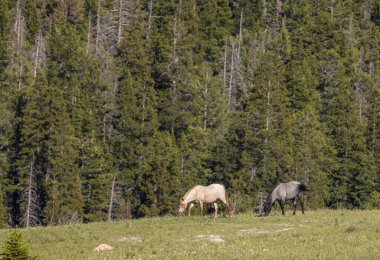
(135, 106)
(31, 16)
(157, 181)
(14, 248)
(4, 33)
(5, 110)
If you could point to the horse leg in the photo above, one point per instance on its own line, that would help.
(282, 205)
(225, 201)
(294, 206)
(201, 206)
(190, 207)
(302, 205)
(216, 210)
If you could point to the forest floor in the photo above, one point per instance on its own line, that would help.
(322, 234)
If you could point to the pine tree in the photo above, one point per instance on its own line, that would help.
(31, 17)
(4, 33)
(311, 152)
(3, 209)
(63, 202)
(269, 105)
(157, 181)
(173, 42)
(375, 16)
(5, 110)
(96, 178)
(14, 248)
(347, 133)
(135, 104)
(215, 25)
(43, 166)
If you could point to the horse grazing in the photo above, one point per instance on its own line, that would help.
(202, 194)
(286, 191)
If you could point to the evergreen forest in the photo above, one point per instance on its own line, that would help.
(113, 109)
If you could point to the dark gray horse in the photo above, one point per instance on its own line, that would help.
(285, 191)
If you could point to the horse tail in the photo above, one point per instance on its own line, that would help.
(228, 203)
(302, 187)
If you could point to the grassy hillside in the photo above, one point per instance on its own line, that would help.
(323, 234)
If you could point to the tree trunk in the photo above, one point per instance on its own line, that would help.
(36, 58)
(112, 196)
(240, 36)
(120, 21)
(225, 68)
(97, 35)
(30, 187)
(150, 8)
(89, 34)
(205, 95)
(267, 118)
(230, 88)
(18, 27)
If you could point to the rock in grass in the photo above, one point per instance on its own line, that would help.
(210, 238)
(131, 239)
(103, 247)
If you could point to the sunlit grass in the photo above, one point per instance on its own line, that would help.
(324, 234)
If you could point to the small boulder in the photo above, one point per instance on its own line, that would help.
(131, 239)
(103, 247)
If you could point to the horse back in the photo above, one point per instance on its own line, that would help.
(211, 193)
(293, 188)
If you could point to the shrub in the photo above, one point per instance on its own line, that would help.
(14, 249)
(373, 201)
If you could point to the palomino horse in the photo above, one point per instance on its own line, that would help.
(286, 191)
(202, 194)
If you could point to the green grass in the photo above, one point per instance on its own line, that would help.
(323, 234)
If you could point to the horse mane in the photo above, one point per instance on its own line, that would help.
(187, 193)
(302, 187)
(268, 200)
(270, 193)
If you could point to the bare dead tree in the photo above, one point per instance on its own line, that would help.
(237, 202)
(233, 69)
(19, 28)
(175, 58)
(252, 178)
(225, 67)
(144, 101)
(120, 21)
(332, 10)
(240, 36)
(117, 193)
(89, 34)
(367, 12)
(97, 28)
(112, 197)
(277, 20)
(17, 61)
(106, 30)
(261, 196)
(205, 98)
(231, 84)
(39, 55)
(150, 18)
(350, 32)
(265, 11)
(268, 110)
(124, 12)
(69, 218)
(29, 197)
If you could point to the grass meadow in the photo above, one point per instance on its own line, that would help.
(322, 234)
